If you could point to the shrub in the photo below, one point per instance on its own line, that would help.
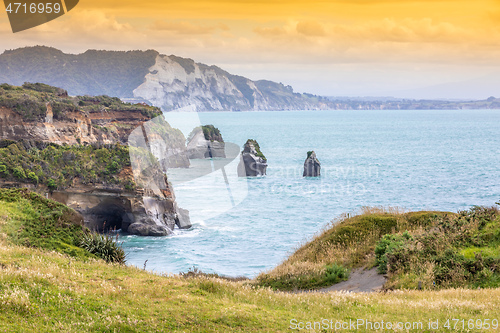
(103, 246)
(3, 169)
(19, 173)
(33, 177)
(113, 167)
(335, 273)
(386, 245)
(51, 184)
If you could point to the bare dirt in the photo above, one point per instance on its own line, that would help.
(360, 280)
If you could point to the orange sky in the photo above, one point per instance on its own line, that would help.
(342, 47)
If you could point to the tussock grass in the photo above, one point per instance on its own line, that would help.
(349, 242)
(43, 291)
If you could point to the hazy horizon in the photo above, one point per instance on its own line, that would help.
(407, 49)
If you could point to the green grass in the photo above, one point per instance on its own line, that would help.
(42, 290)
(33, 221)
(348, 243)
(487, 252)
(47, 292)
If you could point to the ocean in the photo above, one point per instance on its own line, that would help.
(416, 160)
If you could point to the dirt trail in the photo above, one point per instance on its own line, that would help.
(360, 280)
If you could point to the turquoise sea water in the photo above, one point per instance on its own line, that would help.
(440, 160)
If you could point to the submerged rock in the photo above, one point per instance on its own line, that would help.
(252, 163)
(205, 142)
(312, 167)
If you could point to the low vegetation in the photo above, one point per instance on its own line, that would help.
(33, 221)
(348, 242)
(426, 250)
(257, 148)
(42, 290)
(58, 166)
(210, 132)
(456, 251)
(30, 101)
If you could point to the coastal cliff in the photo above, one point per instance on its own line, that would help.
(75, 150)
(165, 81)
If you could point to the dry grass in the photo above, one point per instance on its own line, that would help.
(47, 292)
(348, 241)
(42, 291)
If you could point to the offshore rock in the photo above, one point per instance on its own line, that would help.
(182, 220)
(205, 142)
(312, 167)
(252, 162)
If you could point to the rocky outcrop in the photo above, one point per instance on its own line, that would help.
(148, 210)
(131, 212)
(137, 200)
(167, 144)
(312, 167)
(86, 120)
(105, 127)
(205, 142)
(252, 163)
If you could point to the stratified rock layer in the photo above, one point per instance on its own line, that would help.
(312, 167)
(252, 163)
(203, 143)
(147, 209)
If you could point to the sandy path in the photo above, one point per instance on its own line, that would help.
(360, 280)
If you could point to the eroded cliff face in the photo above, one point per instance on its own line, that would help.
(168, 82)
(149, 207)
(174, 82)
(131, 211)
(105, 127)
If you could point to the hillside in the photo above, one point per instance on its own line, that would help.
(168, 82)
(433, 249)
(42, 290)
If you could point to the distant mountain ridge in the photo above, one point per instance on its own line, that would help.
(169, 82)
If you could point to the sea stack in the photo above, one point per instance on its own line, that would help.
(252, 163)
(205, 142)
(312, 167)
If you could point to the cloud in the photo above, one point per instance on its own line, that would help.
(187, 28)
(270, 32)
(384, 40)
(310, 28)
(406, 31)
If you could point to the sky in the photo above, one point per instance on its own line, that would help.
(401, 48)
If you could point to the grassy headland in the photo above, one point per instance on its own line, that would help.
(48, 283)
(437, 249)
(30, 220)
